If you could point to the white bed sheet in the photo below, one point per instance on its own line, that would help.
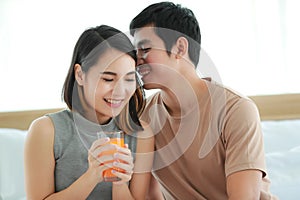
(282, 147)
(11, 164)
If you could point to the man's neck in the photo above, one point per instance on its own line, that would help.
(182, 97)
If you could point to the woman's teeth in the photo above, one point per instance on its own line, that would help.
(112, 101)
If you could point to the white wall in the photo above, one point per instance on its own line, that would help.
(253, 45)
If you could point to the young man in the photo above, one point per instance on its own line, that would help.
(209, 142)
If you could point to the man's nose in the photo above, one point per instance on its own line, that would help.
(141, 56)
(140, 61)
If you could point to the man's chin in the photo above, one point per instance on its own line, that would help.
(147, 87)
(151, 86)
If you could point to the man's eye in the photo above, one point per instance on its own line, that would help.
(145, 50)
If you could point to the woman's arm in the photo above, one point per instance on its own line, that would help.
(139, 183)
(40, 166)
(39, 159)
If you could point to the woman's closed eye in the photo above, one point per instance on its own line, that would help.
(108, 79)
(111, 79)
(130, 76)
(112, 76)
(130, 79)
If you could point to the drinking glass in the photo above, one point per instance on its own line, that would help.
(116, 137)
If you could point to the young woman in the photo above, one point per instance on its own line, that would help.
(63, 157)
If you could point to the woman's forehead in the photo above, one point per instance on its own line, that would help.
(116, 61)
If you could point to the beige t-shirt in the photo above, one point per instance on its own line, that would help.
(196, 152)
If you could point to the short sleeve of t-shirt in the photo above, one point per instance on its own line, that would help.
(243, 138)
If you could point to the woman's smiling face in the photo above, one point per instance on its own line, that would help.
(109, 84)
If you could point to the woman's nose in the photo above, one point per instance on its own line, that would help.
(119, 88)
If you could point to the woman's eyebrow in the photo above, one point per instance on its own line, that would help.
(109, 73)
(132, 72)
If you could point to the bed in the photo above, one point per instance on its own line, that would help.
(280, 116)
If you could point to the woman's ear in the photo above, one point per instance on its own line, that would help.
(79, 75)
(182, 46)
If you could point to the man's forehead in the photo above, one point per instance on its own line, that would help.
(141, 43)
(145, 35)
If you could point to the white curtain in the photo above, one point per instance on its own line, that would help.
(254, 45)
(250, 45)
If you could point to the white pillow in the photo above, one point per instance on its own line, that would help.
(282, 147)
(12, 164)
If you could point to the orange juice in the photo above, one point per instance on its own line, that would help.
(118, 139)
(107, 174)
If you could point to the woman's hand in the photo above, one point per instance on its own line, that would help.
(124, 162)
(98, 160)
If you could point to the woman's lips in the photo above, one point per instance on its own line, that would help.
(114, 103)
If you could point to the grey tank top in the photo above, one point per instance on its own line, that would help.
(73, 137)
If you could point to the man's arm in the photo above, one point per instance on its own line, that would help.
(154, 192)
(244, 185)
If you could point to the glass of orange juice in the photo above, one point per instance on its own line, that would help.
(116, 137)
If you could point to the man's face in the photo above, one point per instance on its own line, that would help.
(154, 63)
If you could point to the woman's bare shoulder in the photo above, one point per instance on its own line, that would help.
(41, 127)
